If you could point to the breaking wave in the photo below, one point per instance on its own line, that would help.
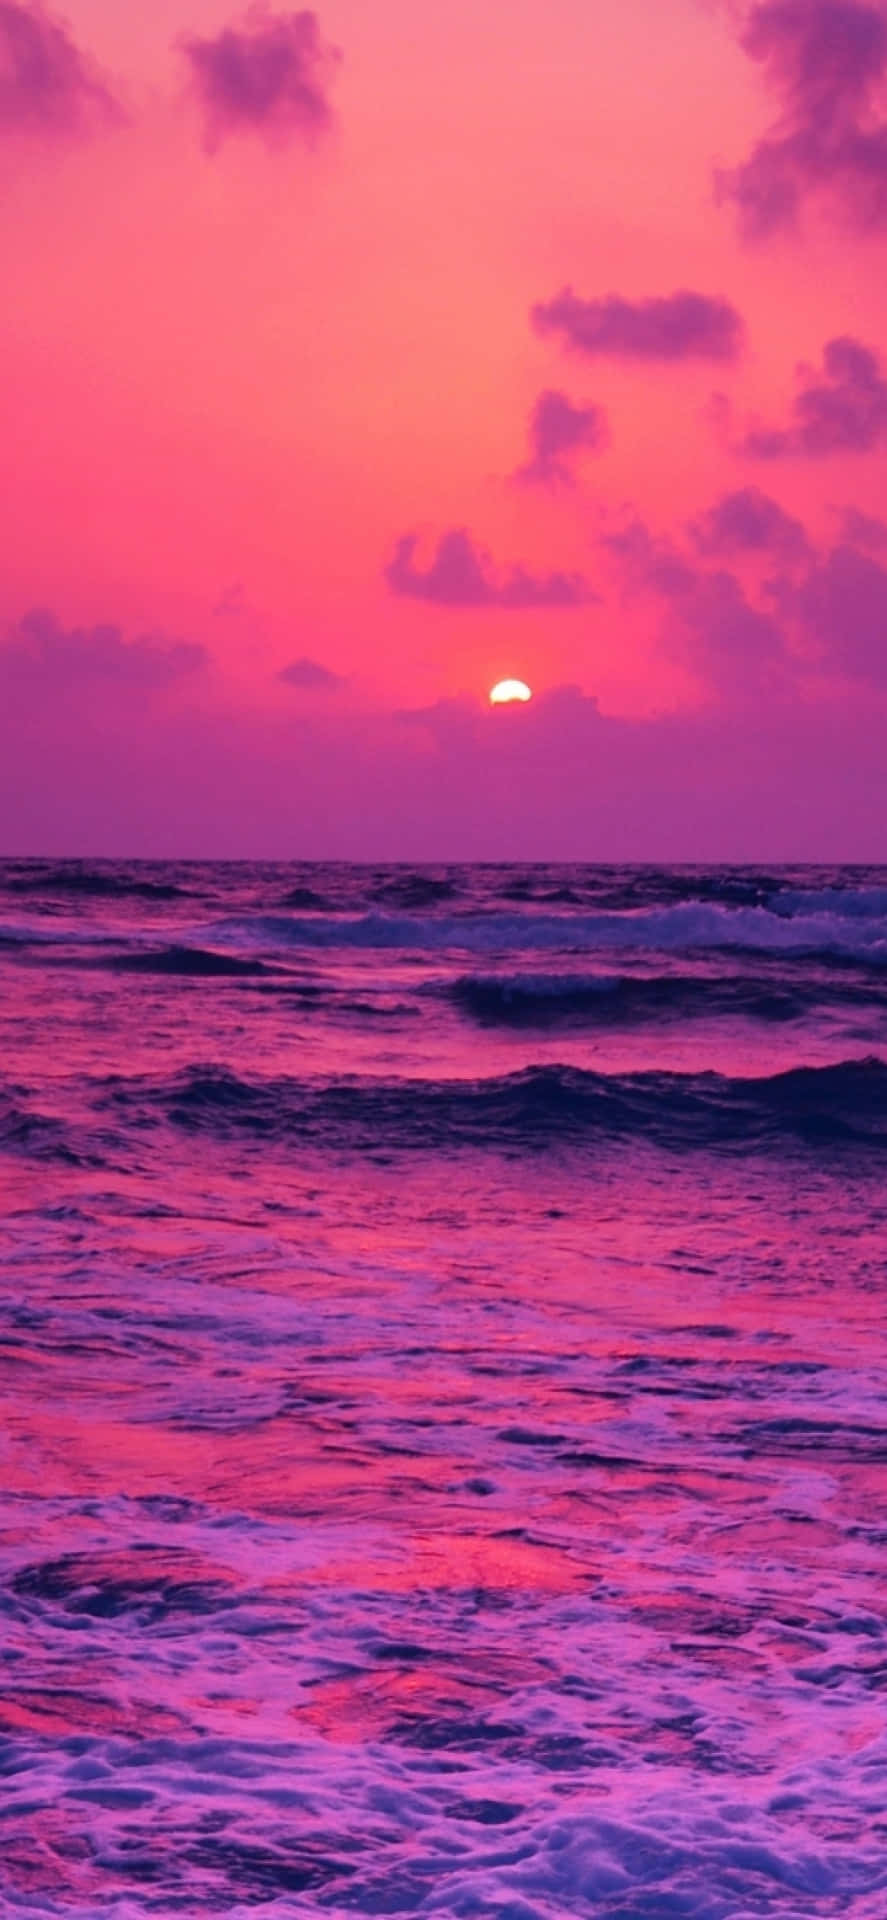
(694, 925)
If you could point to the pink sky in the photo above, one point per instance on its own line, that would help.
(355, 358)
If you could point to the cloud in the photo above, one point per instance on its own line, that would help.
(843, 605)
(738, 648)
(863, 530)
(267, 74)
(841, 410)
(827, 62)
(309, 673)
(734, 647)
(749, 522)
(676, 326)
(789, 779)
(826, 616)
(558, 430)
(47, 86)
(39, 648)
(231, 602)
(461, 575)
(650, 565)
(463, 721)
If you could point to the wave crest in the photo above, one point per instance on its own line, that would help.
(694, 925)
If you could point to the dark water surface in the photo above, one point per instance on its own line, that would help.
(443, 1369)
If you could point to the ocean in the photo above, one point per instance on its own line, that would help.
(443, 1367)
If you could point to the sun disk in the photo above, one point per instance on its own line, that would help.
(506, 690)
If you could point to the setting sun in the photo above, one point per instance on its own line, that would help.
(506, 690)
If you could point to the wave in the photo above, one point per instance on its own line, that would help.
(413, 889)
(691, 925)
(36, 1135)
(553, 1000)
(88, 882)
(853, 903)
(623, 888)
(189, 963)
(307, 899)
(48, 934)
(409, 891)
(564, 896)
(620, 889)
(536, 1108)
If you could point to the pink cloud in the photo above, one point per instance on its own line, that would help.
(843, 604)
(733, 646)
(47, 85)
(648, 564)
(827, 62)
(863, 530)
(559, 431)
(748, 521)
(737, 648)
(776, 636)
(841, 410)
(676, 326)
(267, 74)
(461, 575)
(310, 674)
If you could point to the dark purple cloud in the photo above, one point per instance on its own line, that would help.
(461, 575)
(826, 60)
(841, 410)
(789, 780)
(39, 648)
(675, 326)
(464, 719)
(311, 674)
(842, 604)
(748, 521)
(863, 530)
(266, 74)
(823, 55)
(47, 86)
(827, 614)
(558, 431)
(649, 565)
(735, 648)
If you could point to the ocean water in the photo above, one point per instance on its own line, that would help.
(443, 1363)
